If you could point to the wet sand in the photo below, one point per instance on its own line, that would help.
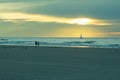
(57, 63)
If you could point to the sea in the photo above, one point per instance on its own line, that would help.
(62, 42)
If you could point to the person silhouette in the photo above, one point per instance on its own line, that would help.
(36, 43)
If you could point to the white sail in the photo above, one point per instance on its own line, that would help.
(81, 36)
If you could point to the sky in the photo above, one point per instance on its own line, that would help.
(59, 18)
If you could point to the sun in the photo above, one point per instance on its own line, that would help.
(82, 21)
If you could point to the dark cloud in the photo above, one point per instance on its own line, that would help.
(105, 9)
(108, 9)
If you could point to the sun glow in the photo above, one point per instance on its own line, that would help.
(76, 31)
(82, 21)
(16, 17)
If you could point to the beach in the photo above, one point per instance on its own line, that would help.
(59, 63)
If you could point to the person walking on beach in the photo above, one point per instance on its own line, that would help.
(36, 43)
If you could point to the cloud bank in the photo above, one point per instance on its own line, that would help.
(16, 17)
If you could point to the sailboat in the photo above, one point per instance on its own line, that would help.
(81, 36)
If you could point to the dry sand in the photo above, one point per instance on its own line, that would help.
(56, 63)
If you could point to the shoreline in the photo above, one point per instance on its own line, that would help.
(46, 46)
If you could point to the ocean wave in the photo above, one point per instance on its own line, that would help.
(109, 43)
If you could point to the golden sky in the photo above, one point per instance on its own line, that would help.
(57, 18)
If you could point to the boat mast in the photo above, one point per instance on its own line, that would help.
(81, 36)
